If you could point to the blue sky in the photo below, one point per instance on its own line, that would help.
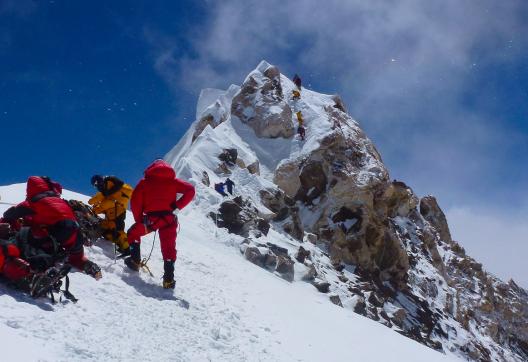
(440, 86)
(80, 94)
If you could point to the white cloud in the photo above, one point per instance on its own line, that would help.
(496, 239)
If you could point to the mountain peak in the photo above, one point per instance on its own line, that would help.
(263, 66)
(319, 206)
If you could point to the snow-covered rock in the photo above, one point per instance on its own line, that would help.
(223, 309)
(374, 246)
(330, 240)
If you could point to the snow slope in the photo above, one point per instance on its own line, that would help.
(230, 317)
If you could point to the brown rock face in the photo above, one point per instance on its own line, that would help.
(313, 181)
(287, 178)
(355, 207)
(210, 120)
(254, 168)
(260, 104)
(435, 216)
(399, 199)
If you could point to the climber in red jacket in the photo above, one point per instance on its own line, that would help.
(154, 204)
(54, 227)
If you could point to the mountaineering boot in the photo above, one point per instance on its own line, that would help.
(123, 248)
(48, 281)
(134, 260)
(40, 285)
(123, 252)
(92, 269)
(119, 238)
(168, 276)
(132, 264)
(121, 242)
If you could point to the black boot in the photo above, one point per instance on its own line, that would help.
(123, 252)
(134, 260)
(168, 276)
(49, 281)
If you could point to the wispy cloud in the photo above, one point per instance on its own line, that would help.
(496, 239)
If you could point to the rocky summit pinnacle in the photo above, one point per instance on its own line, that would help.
(320, 207)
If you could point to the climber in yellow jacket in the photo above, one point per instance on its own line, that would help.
(296, 94)
(300, 119)
(112, 200)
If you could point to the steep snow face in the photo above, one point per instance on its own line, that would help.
(235, 311)
(323, 210)
(271, 152)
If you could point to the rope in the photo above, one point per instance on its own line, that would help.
(114, 232)
(145, 260)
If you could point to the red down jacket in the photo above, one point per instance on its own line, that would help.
(158, 191)
(47, 208)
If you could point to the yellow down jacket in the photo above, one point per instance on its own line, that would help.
(110, 201)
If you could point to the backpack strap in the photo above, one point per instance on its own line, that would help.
(66, 292)
(44, 194)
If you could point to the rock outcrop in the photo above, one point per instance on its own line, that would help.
(239, 217)
(270, 257)
(339, 222)
(435, 216)
(261, 105)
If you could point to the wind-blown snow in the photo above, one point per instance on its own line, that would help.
(237, 311)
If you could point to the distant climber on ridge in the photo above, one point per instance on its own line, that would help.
(154, 205)
(300, 118)
(219, 187)
(302, 132)
(297, 81)
(112, 200)
(296, 94)
(300, 129)
(229, 184)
